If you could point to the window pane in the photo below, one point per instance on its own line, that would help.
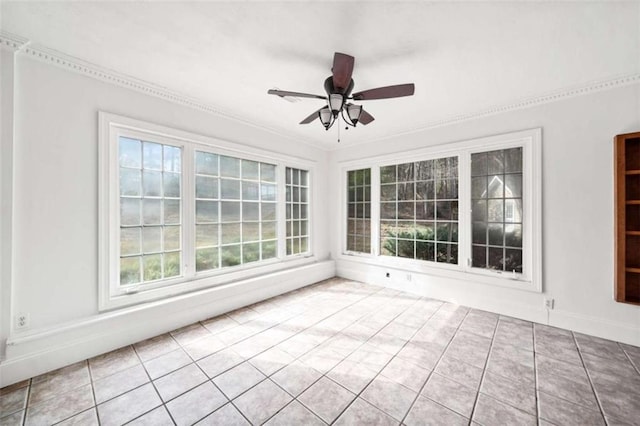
(129, 211)
(230, 211)
(152, 183)
(250, 211)
(229, 189)
(206, 187)
(229, 166)
(152, 239)
(268, 192)
(267, 172)
(268, 211)
(171, 238)
(151, 212)
(206, 163)
(171, 264)
(130, 270)
(206, 235)
(250, 190)
(268, 249)
(172, 159)
(387, 174)
(250, 252)
(129, 241)
(171, 212)
(171, 184)
(151, 156)
(130, 182)
(268, 230)
(130, 153)
(206, 211)
(230, 233)
(206, 259)
(152, 267)
(250, 170)
(251, 231)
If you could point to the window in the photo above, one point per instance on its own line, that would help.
(496, 202)
(180, 212)
(359, 211)
(297, 223)
(419, 210)
(235, 211)
(150, 220)
(468, 210)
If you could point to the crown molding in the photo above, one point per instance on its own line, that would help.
(11, 41)
(563, 94)
(24, 46)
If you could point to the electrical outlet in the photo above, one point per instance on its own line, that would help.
(22, 321)
(548, 303)
(409, 277)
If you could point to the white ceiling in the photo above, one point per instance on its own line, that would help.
(463, 57)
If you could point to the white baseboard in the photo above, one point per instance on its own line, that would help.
(38, 352)
(513, 303)
(594, 326)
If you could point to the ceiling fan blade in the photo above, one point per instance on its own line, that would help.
(365, 118)
(342, 70)
(397, 91)
(283, 93)
(312, 117)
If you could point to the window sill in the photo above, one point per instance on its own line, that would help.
(201, 282)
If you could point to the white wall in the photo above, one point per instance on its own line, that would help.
(55, 202)
(577, 230)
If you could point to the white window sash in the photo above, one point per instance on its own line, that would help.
(111, 293)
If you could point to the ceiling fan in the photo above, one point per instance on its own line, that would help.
(338, 87)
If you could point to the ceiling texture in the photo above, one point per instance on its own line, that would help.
(464, 57)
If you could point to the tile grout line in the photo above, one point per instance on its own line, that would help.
(379, 372)
(154, 388)
(26, 403)
(484, 369)
(593, 388)
(247, 360)
(629, 358)
(535, 375)
(295, 398)
(434, 368)
(95, 401)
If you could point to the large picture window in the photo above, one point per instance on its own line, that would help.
(180, 212)
(419, 210)
(235, 211)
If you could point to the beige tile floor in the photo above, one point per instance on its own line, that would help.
(342, 352)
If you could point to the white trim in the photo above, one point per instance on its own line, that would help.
(113, 296)
(473, 295)
(531, 141)
(43, 350)
(88, 69)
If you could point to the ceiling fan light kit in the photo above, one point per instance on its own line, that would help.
(338, 87)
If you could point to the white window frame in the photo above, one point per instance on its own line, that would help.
(531, 143)
(111, 295)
